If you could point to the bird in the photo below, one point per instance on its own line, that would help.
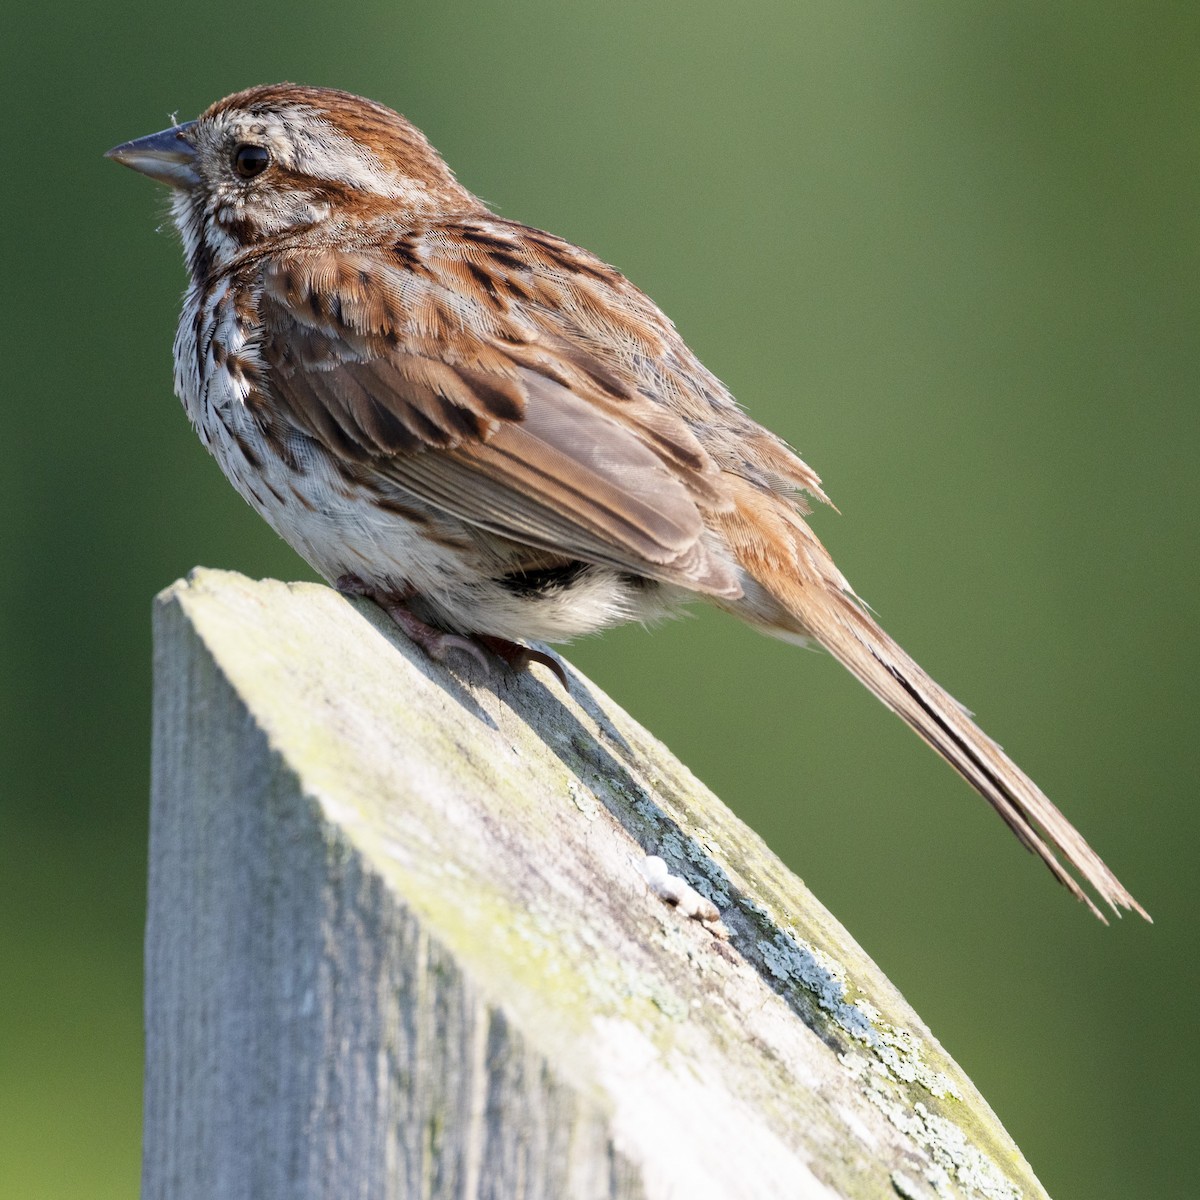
(490, 431)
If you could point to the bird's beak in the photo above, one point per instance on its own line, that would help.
(168, 157)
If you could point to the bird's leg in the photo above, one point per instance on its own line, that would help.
(436, 642)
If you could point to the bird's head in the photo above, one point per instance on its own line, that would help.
(280, 159)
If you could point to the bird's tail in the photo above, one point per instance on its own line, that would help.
(818, 604)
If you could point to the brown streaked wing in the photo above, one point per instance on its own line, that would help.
(494, 431)
(397, 404)
(568, 478)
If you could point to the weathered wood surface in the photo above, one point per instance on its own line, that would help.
(401, 944)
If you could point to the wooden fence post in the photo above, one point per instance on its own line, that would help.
(405, 940)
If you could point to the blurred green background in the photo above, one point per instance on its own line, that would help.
(949, 251)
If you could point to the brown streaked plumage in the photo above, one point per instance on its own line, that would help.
(490, 431)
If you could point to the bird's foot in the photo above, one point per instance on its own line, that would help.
(520, 657)
(437, 642)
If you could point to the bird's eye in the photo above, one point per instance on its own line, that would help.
(250, 160)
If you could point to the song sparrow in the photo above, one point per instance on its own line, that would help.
(490, 431)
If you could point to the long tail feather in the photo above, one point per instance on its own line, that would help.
(819, 604)
(856, 641)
